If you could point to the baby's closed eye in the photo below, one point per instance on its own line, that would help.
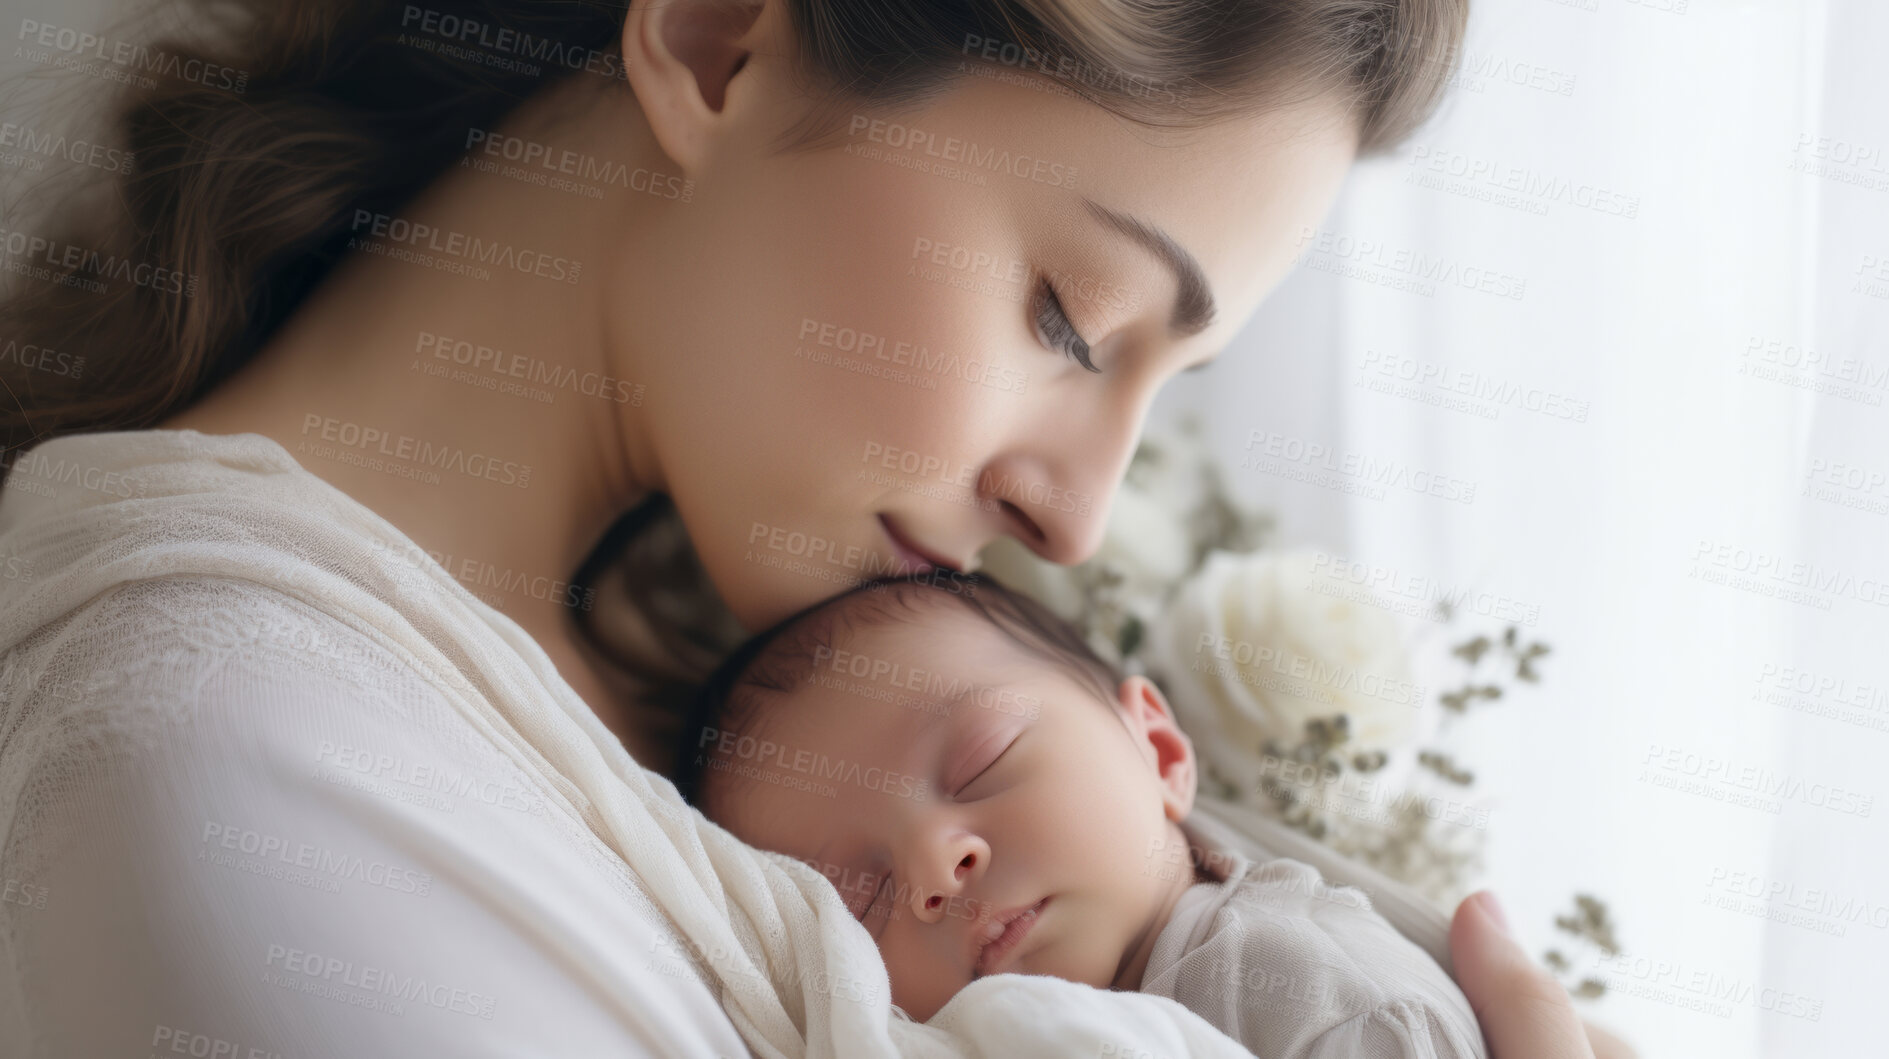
(984, 757)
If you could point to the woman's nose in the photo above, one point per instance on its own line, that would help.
(946, 867)
(1058, 515)
(1054, 482)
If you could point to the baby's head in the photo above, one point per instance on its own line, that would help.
(960, 765)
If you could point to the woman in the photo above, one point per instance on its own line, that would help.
(432, 300)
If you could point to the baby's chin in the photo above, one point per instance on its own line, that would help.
(1080, 955)
(924, 1005)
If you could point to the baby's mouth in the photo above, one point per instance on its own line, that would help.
(1002, 934)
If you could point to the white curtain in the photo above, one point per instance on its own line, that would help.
(1630, 288)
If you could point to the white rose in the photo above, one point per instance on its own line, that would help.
(1257, 644)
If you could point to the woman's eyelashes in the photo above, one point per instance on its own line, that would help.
(1053, 328)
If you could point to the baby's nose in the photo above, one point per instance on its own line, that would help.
(932, 904)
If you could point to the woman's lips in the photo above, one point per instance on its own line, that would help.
(1004, 932)
(909, 552)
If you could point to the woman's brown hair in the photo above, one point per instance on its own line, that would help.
(258, 136)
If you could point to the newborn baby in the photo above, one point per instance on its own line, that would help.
(989, 796)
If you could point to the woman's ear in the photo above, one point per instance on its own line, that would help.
(1151, 723)
(684, 59)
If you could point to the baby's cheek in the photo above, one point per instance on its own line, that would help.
(1091, 957)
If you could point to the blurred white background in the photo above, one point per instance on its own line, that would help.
(1692, 202)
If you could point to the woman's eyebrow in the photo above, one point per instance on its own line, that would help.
(1193, 306)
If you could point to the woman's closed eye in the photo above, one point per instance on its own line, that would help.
(1053, 328)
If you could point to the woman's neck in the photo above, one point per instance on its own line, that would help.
(486, 418)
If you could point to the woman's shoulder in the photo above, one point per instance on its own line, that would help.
(79, 471)
(249, 757)
(172, 685)
(255, 816)
(224, 621)
(163, 551)
(143, 642)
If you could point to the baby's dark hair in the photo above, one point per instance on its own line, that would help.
(787, 655)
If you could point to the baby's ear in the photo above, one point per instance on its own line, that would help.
(1166, 747)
